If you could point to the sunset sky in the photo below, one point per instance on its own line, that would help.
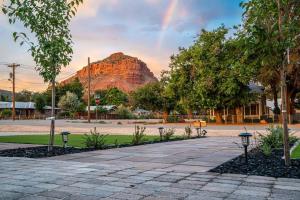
(151, 30)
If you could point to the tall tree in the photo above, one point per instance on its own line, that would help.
(51, 46)
(274, 27)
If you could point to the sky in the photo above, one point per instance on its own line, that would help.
(151, 30)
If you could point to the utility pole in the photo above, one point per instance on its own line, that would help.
(13, 79)
(89, 90)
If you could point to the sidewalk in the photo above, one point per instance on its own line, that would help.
(166, 171)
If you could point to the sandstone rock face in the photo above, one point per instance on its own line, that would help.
(118, 70)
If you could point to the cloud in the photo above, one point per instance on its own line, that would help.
(102, 27)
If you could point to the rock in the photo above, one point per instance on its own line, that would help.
(118, 70)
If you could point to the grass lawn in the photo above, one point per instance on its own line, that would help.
(296, 152)
(74, 140)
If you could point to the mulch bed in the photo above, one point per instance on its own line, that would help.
(40, 152)
(261, 165)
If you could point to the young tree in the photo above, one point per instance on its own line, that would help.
(51, 47)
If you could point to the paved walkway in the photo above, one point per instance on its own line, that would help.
(176, 170)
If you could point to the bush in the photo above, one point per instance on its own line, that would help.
(95, 139)
(173, 119)
(6, 113)
(168, 134)
(188, 132)
(138, 135)
(273, 139)
(124, 113)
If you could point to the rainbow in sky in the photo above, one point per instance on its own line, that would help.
(167, 19)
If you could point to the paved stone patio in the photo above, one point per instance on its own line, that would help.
(175, 170)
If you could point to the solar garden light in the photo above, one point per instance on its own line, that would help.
(198, 130)
(65, 137)
(161, 131)
(245, 142)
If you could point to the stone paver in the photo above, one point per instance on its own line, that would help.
(120, 174)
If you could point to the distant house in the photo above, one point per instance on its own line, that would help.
(256, 110)
(109, 108)
(141, 112)
(24, 109)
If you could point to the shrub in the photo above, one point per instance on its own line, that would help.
(95, 139)
(168, 134)
(188, 132)
(6, 113)
(124, 113)
(172, 119)
(273, 139)
(138, 135)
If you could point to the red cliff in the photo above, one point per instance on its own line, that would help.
(118, 70)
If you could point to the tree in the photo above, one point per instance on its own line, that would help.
(51, 47)
(74, 86)
(114, 96)
(211, 73)
(154, 97)
(273, 28)
(24, 95)
(181, 80)
(69, 102)
(40, 102)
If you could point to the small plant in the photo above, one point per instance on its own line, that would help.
(273, 139)
(6, 113)
(188, 132)
(266, 149)
(168, 134)
(95, 139)
(138, 135)
(116, 143)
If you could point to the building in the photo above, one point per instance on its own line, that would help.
(26, 110)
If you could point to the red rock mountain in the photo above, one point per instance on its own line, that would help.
(118, 70)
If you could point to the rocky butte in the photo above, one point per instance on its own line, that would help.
(118, 70)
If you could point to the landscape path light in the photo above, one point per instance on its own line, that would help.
(161, 131)
(245, 137)
(65, 138)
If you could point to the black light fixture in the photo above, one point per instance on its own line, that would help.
(65, 137)
(198, 130)
(245, 142)
(161, 131)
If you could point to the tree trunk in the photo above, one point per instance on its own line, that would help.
(239, 114)
(190, 114)
(165, 116)
(291, 106)
(52, 127)
(218, 114)
(275, 98)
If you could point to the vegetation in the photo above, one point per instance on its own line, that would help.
(273, 139)
(138, 135)
(51, 46)
(5, 113)
(296, 152)
(124, 112)
(70, 103)
(188, 132)
(40, 102)
(95, 139)
(112, 96)
(168, 133)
